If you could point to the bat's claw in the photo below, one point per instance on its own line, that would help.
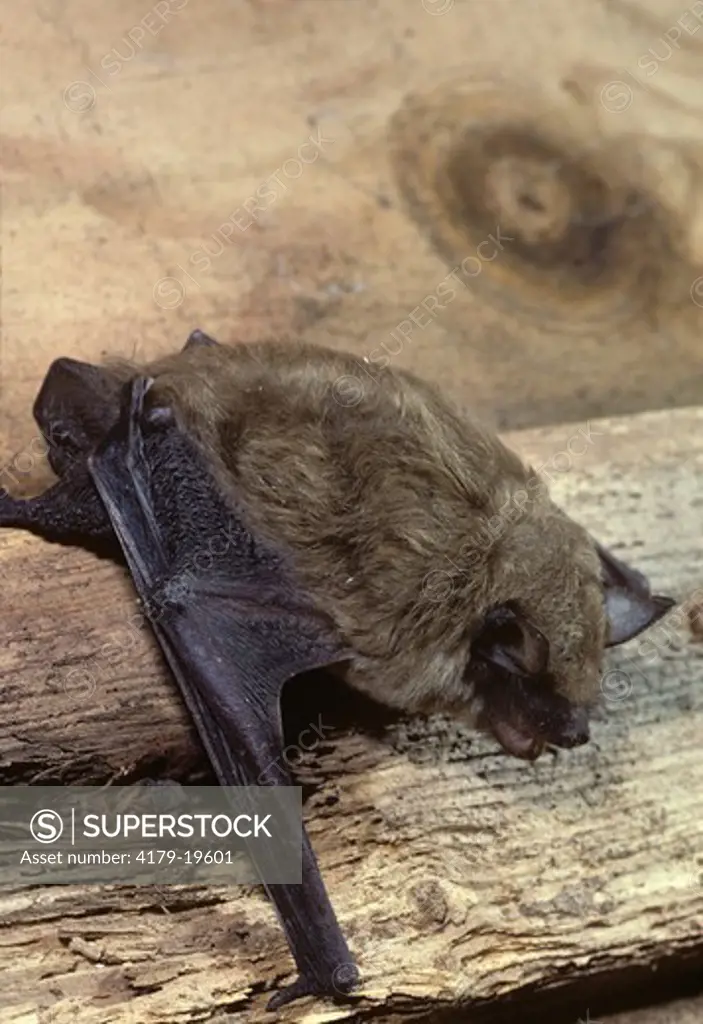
(13, 511)
(140, 413)
(345, 978)
(300, 987)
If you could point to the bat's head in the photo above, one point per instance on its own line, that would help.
(536, 658)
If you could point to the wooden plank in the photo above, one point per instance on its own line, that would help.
(129, 138)
(460, 876)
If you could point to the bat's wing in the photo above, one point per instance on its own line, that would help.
(233, 626)
(76, 406)
(79, 402)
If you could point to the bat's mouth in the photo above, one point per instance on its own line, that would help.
(521, 740)
(517, 742)
(525, 718)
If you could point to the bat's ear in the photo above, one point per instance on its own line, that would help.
(508, 640)
(630, 606)
(199, 339)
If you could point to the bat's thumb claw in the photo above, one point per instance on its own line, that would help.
(143, 412)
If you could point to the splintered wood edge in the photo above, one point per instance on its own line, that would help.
(581, 888)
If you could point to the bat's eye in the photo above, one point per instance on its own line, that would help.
(509, 641)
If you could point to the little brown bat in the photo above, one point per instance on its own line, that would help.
(345, 497)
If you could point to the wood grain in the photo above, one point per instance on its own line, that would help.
(459, 875)
(132, 144)
(128, 141)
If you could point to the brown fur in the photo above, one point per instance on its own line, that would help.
(386, 506)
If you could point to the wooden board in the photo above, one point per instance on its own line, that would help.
(134, 139)
(459, 875)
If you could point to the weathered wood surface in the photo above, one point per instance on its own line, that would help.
(458, 874)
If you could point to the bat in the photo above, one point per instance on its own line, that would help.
(346, 496)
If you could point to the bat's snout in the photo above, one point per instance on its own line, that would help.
(575, 733)
(525, 718)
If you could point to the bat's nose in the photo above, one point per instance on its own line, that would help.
(577, 731)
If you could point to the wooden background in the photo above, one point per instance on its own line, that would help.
(132, 141)
(122, 158)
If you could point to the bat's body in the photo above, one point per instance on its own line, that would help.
(421, 554)
(406, 522)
